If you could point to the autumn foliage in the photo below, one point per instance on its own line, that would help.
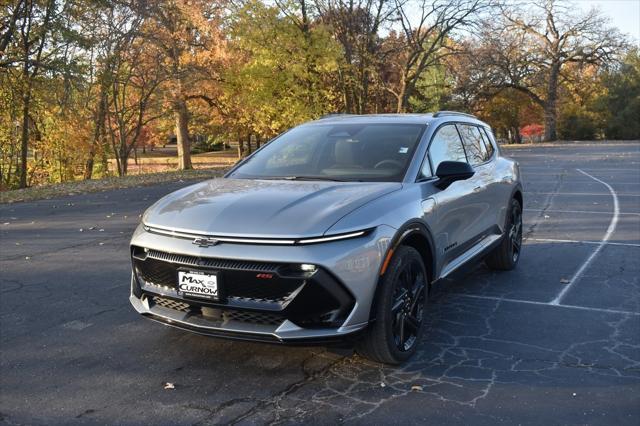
(87, 85)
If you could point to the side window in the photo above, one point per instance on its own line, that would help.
(473, 144)
(487, 141)
(446, 146)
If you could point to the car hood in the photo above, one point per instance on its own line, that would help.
(262, 208)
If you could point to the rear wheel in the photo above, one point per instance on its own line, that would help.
(505, 256)
(399, 311)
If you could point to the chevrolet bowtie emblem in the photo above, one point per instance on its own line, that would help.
(205, 242)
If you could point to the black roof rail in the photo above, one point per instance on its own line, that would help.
(444, 113)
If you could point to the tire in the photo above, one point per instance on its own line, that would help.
(399, 310)
(505, 256)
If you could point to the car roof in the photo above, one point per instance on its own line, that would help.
(405, 118)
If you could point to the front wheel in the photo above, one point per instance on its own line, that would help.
(506, 255)
(399, 310)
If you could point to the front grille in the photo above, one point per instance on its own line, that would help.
(253, 292)
(239, 265)
(239, 279)
(227, 315)
(253, 317)
(158, 273)
(171, 304)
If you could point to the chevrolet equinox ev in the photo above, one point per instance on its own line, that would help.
(334, 230)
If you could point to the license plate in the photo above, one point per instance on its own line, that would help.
(199, 284)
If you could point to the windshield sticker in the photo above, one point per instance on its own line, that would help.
(403, 150)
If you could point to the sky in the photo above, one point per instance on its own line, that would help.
(624, 14)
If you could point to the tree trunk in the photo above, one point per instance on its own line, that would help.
(24, 145)
(88, 165)
(516, 137)
(240, 145)
(97, 132)
(125, 165)
(182, 135)
(550, 106)
(124, 158)
(402, 95)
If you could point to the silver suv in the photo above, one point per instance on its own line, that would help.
(334, 230)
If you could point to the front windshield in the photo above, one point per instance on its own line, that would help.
(343, 152)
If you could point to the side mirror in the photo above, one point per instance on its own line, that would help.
(451, 171)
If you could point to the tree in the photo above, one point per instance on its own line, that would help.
(356, 25)
(136, 77)
(187, 33)
(425, 42)
(24, 42)
(508, 111)
(112, 27)
(531, 47)
(283, 71)
(619, 106)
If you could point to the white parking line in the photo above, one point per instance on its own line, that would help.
(591, 194)
(620, 170)
(531, 302)
(580, 211)
(607, 235)
(567, 181)
(554, 240)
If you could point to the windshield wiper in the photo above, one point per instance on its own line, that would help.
(314, 178)
(310, 178)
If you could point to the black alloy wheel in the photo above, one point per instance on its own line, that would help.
(399, 310)
(408, 305)
(505, 256)
(515, 231)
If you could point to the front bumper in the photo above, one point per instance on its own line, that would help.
(331, 304)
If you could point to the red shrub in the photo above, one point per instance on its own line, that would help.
(532, 130)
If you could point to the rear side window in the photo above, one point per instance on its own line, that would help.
(473, 144)
(487, 141)
(446, 146)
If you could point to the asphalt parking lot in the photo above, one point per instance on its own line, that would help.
(556, 341)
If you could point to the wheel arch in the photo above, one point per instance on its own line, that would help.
(517, 194)
(418, 236)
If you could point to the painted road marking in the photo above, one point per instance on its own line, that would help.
(554, 240)
(531, 302)
(580, 193)
(579, 211)
(607, 235)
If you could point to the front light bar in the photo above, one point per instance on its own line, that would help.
(331, 238)
(213, 240)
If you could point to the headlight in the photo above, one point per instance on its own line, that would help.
(332, 238)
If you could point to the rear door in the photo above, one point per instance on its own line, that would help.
(487, 196)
